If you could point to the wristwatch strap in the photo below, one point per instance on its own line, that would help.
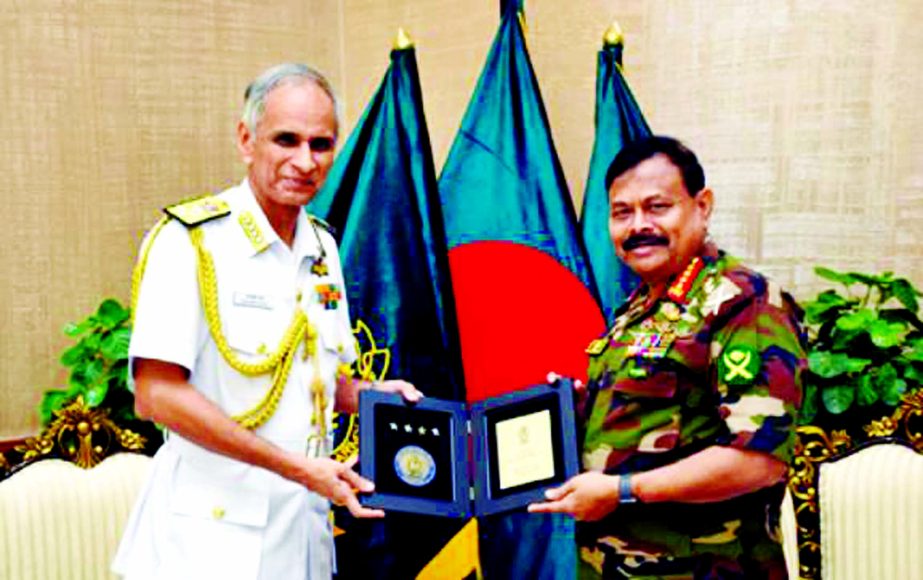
(625, 494)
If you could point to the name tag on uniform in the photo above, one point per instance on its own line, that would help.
(248, 300)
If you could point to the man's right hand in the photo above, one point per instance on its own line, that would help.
(339, 483)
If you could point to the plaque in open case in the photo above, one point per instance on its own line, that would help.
(447, 458)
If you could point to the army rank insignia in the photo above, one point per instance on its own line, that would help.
(319, 267)
(739, 365)
(329, 295)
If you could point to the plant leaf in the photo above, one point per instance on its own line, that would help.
(867, 394)
(850, 340)
(887, 334)
(857, 320)
(833, 275)
(93, 372)
(838, 398)
(902, 315)
(893, 391)
(907, 295)
(884, 377)
(73, 355)
(817, 310)
(808, 405)
(52, 400)
(831, 364)
(914, 375)
(74, 330)
(115, 345)
(884, 279)
(111, 313)
(96, 394)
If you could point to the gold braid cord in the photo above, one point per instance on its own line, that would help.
(138, 272)
(278, 363)
(814, 446)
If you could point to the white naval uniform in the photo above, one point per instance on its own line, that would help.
(202, 515)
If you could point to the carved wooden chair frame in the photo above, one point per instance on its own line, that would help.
(77, 434)
(815, 446)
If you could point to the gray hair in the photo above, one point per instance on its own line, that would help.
(255, 95)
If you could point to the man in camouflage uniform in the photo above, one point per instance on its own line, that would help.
(689, 415)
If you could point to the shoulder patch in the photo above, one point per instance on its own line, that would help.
(319, 222)
(739, 365)
(198, 211)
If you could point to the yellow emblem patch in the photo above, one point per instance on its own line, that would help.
(198, 211)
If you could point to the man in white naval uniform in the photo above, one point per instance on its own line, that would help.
(240, 348)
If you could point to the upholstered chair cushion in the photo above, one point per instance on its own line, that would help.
(871, 515)
(61, 522)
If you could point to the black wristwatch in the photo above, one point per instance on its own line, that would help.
(625, 494)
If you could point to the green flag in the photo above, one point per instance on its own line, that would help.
(618, 121)
(381, 197)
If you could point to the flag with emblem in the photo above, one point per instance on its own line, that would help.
(381, 198)
(525, 299)
(618, 121)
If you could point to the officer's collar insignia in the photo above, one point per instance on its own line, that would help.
(717, 293)
(739, 365)
(680, 288)
(198, 211)
(329, 295)
(319, 266)
(596, 347)
(252, 231)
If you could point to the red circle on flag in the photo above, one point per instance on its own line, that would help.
(521, 314)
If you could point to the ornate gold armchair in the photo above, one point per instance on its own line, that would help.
(857, 499)
(59, 518)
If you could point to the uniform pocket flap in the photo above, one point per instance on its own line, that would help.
(242, 507)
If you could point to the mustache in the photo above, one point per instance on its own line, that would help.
(638, 240)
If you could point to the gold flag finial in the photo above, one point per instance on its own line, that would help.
(403, 40)
(613, 35)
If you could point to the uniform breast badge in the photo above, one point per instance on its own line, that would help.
(319, 266)
(649, 345)
(329, 295)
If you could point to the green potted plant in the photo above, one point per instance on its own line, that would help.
(865, 348)
(98, 374)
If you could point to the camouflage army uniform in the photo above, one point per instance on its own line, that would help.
(717, 361)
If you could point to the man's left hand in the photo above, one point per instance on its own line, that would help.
(588, 496)
(410, 393)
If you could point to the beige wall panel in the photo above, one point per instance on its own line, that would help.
(111, 110)
(806, 114)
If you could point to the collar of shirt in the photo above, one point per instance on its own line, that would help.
(306, 243)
